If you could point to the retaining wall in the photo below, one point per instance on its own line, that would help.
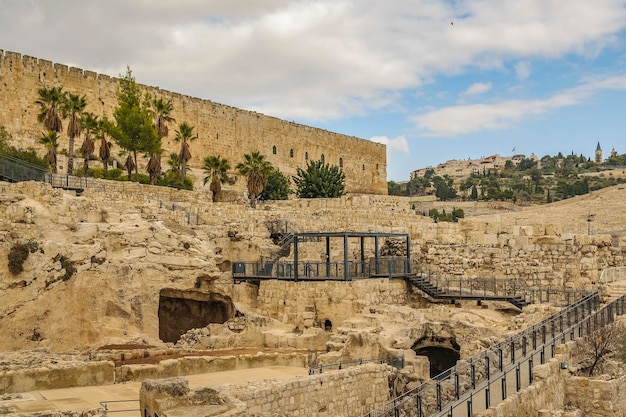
(350, 392)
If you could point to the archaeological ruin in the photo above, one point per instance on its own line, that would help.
(118, 286)
(134, 300)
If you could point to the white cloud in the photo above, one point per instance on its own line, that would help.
(320, 59)
(462, 119)
(522, 70)
(477, 88)
(396, 144)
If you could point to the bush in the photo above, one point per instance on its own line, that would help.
(111, 174)
(319, 180)
(172, 179)
(18, 255)
(277, 187)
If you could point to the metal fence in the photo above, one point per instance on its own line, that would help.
(475, 384)
(16, 170)
(119, 406)
(395, 361)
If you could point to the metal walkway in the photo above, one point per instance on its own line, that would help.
(438, 289)
(16, 170)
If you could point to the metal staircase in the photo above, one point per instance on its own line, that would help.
(517, 298)
(16, 170)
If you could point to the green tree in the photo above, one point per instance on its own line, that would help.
(133, 130)
(393, 188)
(89, 123)
(216, 170)
(277, 187)
(51, 142)
(72, 107)
(474, 193)
(256, 168)
(319, 180)
(525, 164)
(443, 188)
(50, 101)
(184, 135)
(417, 186)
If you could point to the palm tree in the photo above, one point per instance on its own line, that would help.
(162, 110)
(104, 152)
(50, 140)
(257, 169)
(49, 101)
(129, 164)
(184, 134)
(90, 125)
(215, 168)
(72, 107)
(154, 164)
(174, 163)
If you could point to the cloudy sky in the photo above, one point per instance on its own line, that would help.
(434, 80)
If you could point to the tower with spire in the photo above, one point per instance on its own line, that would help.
(598, 154)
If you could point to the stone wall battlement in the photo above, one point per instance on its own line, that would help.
(222, 129)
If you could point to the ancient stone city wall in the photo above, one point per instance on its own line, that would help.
(224, 130)
(349, 392)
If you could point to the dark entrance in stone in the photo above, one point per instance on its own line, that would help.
(440, 358)
(328, 325)
(442, 352)
(180, 311)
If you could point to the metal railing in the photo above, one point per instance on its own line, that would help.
(395, 361)
(513, 290)
(16, 170)
(322, 270)
(473, 385)
(118, 406)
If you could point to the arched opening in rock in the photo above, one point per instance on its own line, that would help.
(440, 358)
(181, 311)
(328, 325)
(442, 352)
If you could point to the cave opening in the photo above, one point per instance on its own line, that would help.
(181, 311)
(328, 325)
(441, 358)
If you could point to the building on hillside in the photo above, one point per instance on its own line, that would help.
(457, 169)
(598, 154)
(221, 129)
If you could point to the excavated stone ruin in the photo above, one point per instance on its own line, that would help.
(442, 353)
(183, 310)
